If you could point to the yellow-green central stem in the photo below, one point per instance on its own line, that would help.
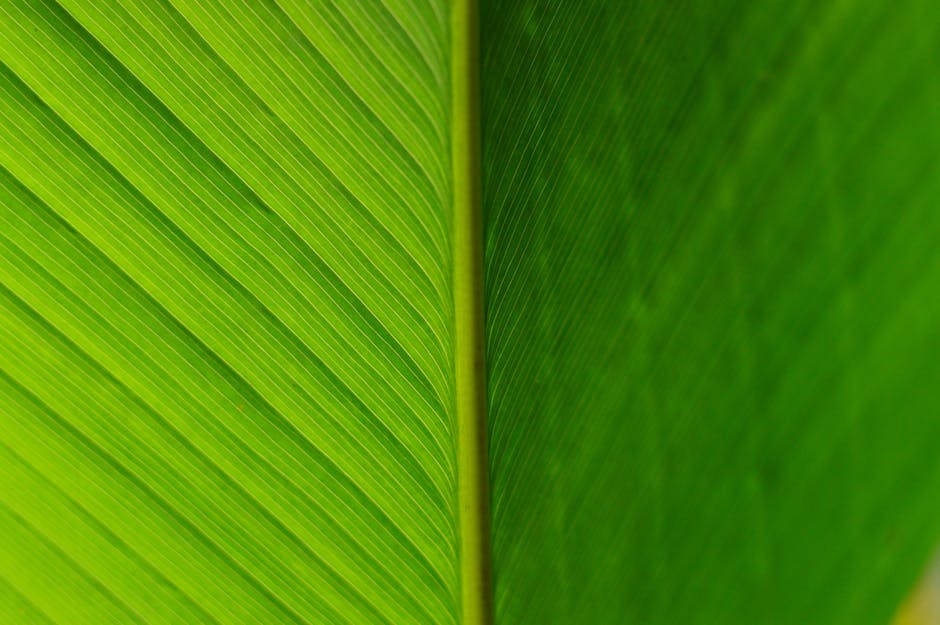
(473, 496)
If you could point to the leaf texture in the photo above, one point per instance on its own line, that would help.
(226, 315)
(228, 233)
(711, 286)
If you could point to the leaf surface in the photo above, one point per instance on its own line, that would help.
(238, 310)
(226, 338)
(711, 285)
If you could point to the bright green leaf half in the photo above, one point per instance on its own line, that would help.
(713, 304)
(226, 318)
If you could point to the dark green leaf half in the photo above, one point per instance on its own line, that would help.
(713, 308)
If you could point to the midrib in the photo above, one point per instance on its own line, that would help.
(473, 497)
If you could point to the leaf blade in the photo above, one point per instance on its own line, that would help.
(292, 409)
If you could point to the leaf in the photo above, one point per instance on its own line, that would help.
(227, 326)
(711, 277)
(241, 323)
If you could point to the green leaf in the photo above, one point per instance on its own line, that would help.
(242, 320)
(227, 326)
(711, 283)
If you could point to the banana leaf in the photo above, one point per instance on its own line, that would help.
(437, 312)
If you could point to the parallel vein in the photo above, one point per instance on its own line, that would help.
(226, 355)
